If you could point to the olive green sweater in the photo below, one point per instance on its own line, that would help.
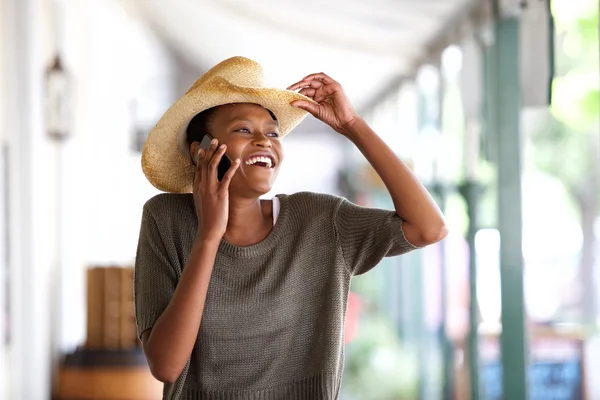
(273, 321)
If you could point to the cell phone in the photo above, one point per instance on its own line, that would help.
(225, 160)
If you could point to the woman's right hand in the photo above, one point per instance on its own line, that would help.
(211, 197)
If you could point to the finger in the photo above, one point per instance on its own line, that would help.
(211, 151)
(325, 91)
(208, 155)
(308, 92)
(199, 158)
(296, 85)
(306, 106)
(214, 163)
(319, 76)
(314, 83)
(229, 174)
(316, 94)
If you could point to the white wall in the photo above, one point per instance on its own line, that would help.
(31, 253)
(4, 354)
(88, 213)
(311, 163)
(114, 61)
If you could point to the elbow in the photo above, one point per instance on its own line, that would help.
(429, 233)
(162, 366)
(434, 234)
(162, 374)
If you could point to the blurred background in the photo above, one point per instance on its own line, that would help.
(493, 103)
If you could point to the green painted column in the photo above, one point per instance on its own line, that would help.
(471, 190)
(507, 134)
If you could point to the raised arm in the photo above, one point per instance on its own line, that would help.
(423, 221)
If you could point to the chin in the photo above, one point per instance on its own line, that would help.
(262, 189)
(258, 184)
(250, 189)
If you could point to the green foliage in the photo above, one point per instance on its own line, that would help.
(575, 90)
(566, 145)
(562, 152)
(378, 366)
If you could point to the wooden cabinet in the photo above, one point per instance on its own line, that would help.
(102, 383)
(106, 375)
(111, 364)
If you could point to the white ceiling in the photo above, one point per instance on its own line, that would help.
(362, 44)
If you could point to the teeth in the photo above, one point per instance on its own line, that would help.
(262, 159)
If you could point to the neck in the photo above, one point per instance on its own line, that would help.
(250, 221)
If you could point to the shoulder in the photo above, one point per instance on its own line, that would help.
(313, 198)
(311, 202)
(167, 204)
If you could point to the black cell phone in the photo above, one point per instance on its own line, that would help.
(225, 160)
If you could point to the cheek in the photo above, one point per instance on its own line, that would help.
(280, 153)
(234, 149)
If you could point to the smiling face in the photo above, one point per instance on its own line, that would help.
(252, 135)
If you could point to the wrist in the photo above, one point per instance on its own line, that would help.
(206, 240)
(355, 128)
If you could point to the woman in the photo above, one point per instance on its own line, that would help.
(242, 298)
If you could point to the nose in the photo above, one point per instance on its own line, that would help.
(260, 140)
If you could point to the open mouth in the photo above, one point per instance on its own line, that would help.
(261, 161)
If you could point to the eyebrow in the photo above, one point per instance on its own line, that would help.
(240, 119)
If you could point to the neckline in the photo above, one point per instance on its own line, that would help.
(268, 243)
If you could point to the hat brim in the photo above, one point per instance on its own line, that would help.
(165, 159)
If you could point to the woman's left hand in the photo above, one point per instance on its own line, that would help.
(333, 106)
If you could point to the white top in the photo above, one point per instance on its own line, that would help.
(275, 209)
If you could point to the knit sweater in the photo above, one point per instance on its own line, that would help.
(273, 320)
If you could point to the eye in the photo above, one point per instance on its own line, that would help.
(244, 130)
(274, 134)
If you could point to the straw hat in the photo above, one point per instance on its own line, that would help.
(165, 158)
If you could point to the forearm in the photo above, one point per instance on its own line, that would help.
(171, 341)
(424, 222)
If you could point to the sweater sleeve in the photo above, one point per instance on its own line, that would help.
(367, 235)
(155, 278)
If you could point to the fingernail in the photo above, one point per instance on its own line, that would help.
(222, 146)
(238, 161)
(214, 141)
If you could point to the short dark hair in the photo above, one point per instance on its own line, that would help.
(199, 126)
